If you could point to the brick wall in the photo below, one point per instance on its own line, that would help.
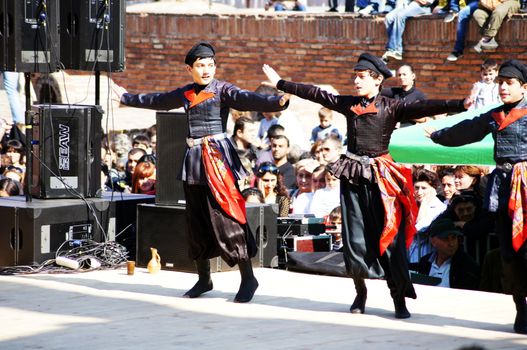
(310, 48)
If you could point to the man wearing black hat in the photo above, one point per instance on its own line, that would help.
(377, 200)
(452, 265)
(216, 219)
(507, 185)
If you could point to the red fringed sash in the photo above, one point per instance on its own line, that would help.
(197, 99)
(518, 204)
(506, 120)
(221, 181)
(396, 186)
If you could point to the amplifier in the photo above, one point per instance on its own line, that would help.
(300, 226)
(320, 243)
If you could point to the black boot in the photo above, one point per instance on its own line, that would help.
(359, 304)
(248, 285)
(520, 322)
(400, 308)
(204, 283)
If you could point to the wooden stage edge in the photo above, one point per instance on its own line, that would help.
(111, 310)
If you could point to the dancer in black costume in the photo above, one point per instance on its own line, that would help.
(215, 208)
(378, 208)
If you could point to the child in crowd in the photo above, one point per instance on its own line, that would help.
(325, 130)
(327, 198)
(485, 91)
(335, 227)
(270, 119)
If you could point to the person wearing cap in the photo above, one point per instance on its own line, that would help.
(452, 265)
(216, 218)
(371, 183)
(506, 194)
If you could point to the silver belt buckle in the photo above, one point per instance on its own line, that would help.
(364, 160)
(190, 142)
(506, 167)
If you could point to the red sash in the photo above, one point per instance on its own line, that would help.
(518, 204)
(221, 181)
(397, 193)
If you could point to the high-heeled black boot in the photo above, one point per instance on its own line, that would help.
(359, 304)
(204, 283)
(248, 285)
(400, 308)
(520, 322)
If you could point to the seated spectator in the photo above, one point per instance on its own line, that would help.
(244, 139)
(395, 22)
(142, 141)
(455, 268)
(325, 130)
(316, 152)
(319, 179)
(467, 177)
(463, 19)
(331, 150)
(490, 20)
(406, 90)
(269, 181)
(283, 5)
(8, 188)
(466, 211)
(16, 154)
(280, 151)
(303, 194)
(335, 228)
(133, 158)
(425, 184)
(448, 186)
(485, 92)
(253, 195)
(327, 198)
(144, 178)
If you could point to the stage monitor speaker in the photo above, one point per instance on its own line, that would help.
(92, 35)
(37, 229)
(172, 131)
(165, 228)
(66, 151)
(30, 35)
(124, 213)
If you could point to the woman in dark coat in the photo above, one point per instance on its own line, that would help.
(216, 220)
(378, 208)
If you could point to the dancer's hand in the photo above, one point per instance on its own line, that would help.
(117, 92)
(271, 74)
(429, 130)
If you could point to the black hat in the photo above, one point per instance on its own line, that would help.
(513, 69)
(202, 49)
(368, 61)
(442, 228)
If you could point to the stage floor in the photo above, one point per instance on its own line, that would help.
(111, 310)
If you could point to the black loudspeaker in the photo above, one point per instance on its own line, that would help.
(66, 151)
(32, 232)
(172, 131)
(92, 34)
(165, 228)
(30, 35)
(262, 222)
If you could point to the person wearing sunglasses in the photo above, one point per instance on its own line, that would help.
(270, 182)
(374, 242)
(215, 209)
